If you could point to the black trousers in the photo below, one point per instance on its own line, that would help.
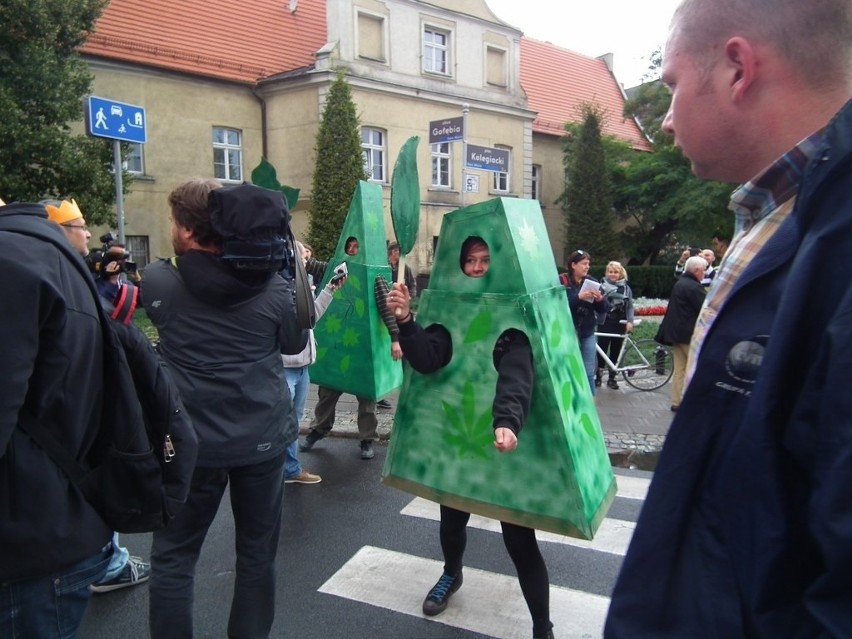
(524, 552)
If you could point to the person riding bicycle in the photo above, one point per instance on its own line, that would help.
(619, 318)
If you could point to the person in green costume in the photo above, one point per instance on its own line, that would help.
(429, 350)
(327, 398)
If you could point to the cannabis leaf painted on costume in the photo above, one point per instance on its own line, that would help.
(350, 337)
(333, 324)
(468, 433)
(529, 240)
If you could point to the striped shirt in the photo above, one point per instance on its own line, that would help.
(760, 206)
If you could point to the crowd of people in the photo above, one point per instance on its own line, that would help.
(745, 531)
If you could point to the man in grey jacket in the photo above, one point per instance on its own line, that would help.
(224, 317)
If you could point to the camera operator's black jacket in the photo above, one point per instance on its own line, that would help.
(222, 332)
(51, 360)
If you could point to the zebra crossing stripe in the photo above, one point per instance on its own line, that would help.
(488, 603)
(613, 535)
(632, 486)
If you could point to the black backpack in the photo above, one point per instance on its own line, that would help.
(138, 471)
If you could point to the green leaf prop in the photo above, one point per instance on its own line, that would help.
(265, 175)
(405, 196)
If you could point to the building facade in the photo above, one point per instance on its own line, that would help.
(225, 84)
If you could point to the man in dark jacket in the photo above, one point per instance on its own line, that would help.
(53, 545)
(747, 527)
(675, 330)
(157, 395)
(224, 317)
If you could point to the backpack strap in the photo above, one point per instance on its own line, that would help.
(125, 303)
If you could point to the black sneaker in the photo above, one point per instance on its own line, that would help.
(312, 438)
(367, 449)
(383, 403)
(612, 383)
(437, 599)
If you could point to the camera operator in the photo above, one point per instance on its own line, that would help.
(122, 296)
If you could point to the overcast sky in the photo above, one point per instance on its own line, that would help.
(629, 29)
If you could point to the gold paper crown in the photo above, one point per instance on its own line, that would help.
(63, 213)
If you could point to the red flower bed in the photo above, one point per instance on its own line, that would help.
(651, 310)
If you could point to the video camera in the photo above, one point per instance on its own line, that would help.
(98, 258)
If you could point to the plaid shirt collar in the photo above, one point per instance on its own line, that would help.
(780, 181)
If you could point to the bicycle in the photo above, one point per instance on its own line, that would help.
(644, 364)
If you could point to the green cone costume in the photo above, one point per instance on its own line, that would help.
(353, 345)
(559, 478)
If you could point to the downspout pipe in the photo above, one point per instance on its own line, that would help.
(263, 132)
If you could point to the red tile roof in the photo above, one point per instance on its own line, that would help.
(558, 82)
(240, 41)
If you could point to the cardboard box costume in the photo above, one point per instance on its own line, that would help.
(353, 345)
(559, 478)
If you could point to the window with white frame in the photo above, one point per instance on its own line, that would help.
(501, 180)
(535, 182)
(134, 162)
(227, 154)
(441, 165)
(436, 51)
(373, 146)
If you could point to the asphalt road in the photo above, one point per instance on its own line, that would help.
(356, 559)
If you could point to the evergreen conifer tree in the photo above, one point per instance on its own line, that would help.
(587, 199)
(339, 167)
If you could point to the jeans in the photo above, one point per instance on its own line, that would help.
(256, 499)
(51, 606)
(119, 559)
(590, 358)
(298, 380)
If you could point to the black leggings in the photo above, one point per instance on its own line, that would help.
(610, 345)
(524, 552)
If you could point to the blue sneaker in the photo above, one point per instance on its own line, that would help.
(135, 572)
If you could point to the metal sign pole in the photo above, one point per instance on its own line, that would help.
(465, 110)
(119, 195)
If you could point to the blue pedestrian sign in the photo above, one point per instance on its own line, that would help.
(116, 120)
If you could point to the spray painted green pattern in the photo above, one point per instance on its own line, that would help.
(559, 478)
(353, 345)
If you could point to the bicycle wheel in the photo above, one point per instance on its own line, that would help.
(649, 365)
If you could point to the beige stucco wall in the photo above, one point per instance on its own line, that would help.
(547, 153)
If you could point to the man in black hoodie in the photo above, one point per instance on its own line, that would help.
(53, 545)
(223, 323)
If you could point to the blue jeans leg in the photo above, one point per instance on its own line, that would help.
(589, 354)
(298, 381)
(51, 607)
(119, 559)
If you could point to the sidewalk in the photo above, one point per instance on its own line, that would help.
(634, 422)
